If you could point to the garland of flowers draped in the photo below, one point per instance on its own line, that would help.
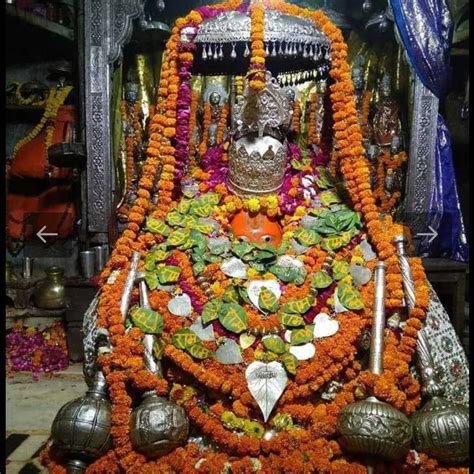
(310, 448)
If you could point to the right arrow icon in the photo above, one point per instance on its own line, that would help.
(432, 235)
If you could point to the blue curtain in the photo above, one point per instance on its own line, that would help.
(426, 28)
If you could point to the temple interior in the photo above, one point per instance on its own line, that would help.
(237, 236)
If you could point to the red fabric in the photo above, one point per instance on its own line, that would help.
(31, 161)
(53, 208)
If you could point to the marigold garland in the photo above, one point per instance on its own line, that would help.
(336, 356)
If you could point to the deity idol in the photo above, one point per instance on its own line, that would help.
(230, 329)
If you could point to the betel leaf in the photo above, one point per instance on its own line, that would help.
(178, 237)
(299, 306)
(290, 362)
(329, 197)
(184, 205)
(242, 291)
(284, 274)
(158, 348)
(149, 321)
(211, 199)
(233, 317)
(274, 344)
(202, 210)
(335, 242)
(168, 274)
(157, 226)
(231, 295)
(323, 181)
(151, 279)
(307, 237)
(241, 248)
(350, 297)
(210, 311)
(202, 227)
(301, 336)
(199, 351)
(184, 338)
(174, 218)
(340, 268)
(320, 280)
(198, 268)
(290, 320)
(267, 301)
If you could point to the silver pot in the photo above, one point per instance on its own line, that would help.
(157, 426)
(81, 427)
(372, 427)
(441, 427)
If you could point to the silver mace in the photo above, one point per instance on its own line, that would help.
(81, 427)
(440, 427)
(372, 427)
(157, 425)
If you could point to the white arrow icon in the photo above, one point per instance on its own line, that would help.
(433, 234)
(41, 234)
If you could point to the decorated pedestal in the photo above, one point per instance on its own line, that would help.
(239, 299)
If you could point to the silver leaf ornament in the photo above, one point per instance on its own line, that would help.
(360, 275)
(180, 305)
(235, 268)
(304, 352)
(229, 353)
(367, 250)
(324, 326)
(266, 383)
(205, 333)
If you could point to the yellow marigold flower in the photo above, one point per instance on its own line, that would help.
(300, 211)
(269, 276)
(252, 273)
(253, 204)
(288, 235)
(272, 201)
(357, 260)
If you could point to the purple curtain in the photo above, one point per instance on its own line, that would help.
(426, 27)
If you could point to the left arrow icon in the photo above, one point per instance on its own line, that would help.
(42, 234)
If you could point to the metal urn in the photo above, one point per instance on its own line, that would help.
(82, 426)
(157, 425)
(370, 426)
(440, 427)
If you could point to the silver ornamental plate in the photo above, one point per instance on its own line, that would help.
(180, 305)
(324, 326)
(229, 353)
(266, 383)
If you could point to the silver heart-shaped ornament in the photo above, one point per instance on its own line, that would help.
(235, 268)
(324, 326)
(180, 305)
(266, 383)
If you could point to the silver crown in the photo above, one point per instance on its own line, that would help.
(257, 155)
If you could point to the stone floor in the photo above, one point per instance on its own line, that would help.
(30, 411)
